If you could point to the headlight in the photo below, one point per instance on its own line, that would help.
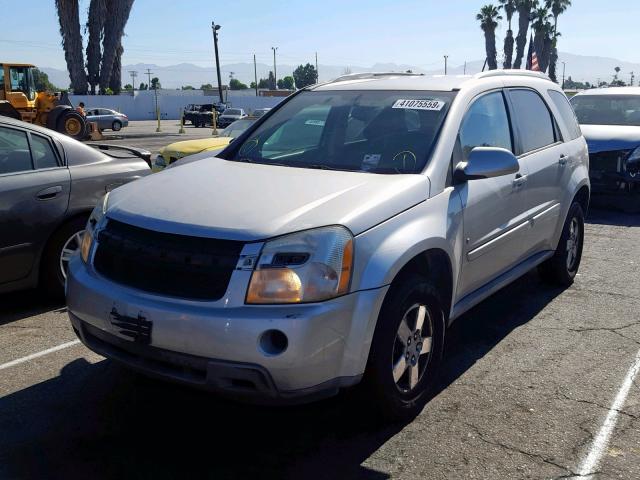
(94, 219)
(160, 162)
(632, 163)
(309, 266)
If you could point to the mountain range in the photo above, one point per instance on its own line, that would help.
(579, 67)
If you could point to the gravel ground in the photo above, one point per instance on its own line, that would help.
(529, 378)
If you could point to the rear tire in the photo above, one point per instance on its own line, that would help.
(405, 357)
(561, 269)
(52, 277)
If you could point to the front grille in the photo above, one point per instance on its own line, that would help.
(607, 162)
(168, 264)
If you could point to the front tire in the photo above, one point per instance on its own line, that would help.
(116, 126)
(562, 268)
(407, 347)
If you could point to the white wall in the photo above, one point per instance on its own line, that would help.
(141, 106)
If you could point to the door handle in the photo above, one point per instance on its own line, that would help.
(48, 193)
(520, 180)
(563, 160)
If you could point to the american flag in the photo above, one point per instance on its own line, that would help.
(532, 57)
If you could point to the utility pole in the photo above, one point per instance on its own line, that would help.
(255, 73)
(446, 57)
(464, 72)
(155, 92)
(275, 73)
(215, 29)
(633, 77)
(564, 66)
(317, 72)
(133, 74)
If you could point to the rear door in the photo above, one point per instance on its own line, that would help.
(540, 148)
(34, 196)
(493, 209)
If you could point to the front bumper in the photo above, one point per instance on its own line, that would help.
(216, 347)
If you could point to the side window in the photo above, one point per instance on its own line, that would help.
(1, 77)
(567, 113)
(43, 155)
(534, 120)
(14, 151)
(486, 124)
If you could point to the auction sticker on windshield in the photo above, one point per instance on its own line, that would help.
(433, 105)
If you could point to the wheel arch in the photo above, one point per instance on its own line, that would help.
(583, 196)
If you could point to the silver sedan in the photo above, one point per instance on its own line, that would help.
(107, 119)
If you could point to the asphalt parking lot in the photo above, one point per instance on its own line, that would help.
(530, 376)
(142, 134)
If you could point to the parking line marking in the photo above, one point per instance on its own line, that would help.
(601, 441)
(38, 354)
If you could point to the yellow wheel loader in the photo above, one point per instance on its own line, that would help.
(19, 99)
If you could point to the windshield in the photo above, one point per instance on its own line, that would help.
(370, 131)
(231, 111)
(236, 128)
(607, 109)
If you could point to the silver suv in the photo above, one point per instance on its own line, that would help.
(335, 240)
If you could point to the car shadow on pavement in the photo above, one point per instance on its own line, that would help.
(102, 421)
(601, 216)
(18, 305)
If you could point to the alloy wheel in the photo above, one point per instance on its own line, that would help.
(69, 248)
(573, 242)
(412, 347)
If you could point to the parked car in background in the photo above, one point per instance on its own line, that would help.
(259, 112)
(201, 115)
(49, 183)
(230, 115)
(107, 119)
(176, 151)
(335, 241)
(610, 121)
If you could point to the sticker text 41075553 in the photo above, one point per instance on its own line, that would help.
(434, 105)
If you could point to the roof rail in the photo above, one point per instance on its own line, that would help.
(362, 76)
(514, 73)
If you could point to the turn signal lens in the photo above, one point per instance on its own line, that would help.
(278, 285)
(85, 248)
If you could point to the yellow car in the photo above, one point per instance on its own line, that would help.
(177, 150)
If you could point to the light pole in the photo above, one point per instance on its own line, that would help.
(446, 57)
(215, 29)
(275, 72)
(564, 66)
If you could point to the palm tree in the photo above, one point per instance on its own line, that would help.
(113, 31)
(557, 8)
(524, 17)
(542, 29)
(509, 7)
(95, 27)
(69, 19)
(488, 18)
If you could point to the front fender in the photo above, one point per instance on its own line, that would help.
(382, 251)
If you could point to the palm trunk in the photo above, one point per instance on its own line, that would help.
(547, 48)
(115, 82)
(69, 19)
(95, 26)
(523, 29)
(490, 46)
(117, 16)
(508, 49)
(553, 61)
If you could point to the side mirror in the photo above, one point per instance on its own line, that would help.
(486, 162)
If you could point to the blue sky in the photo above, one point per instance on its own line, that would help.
(343, 32)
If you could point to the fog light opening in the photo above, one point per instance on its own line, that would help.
(273, 342)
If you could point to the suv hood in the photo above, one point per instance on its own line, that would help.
(607, 138)
(240, 201)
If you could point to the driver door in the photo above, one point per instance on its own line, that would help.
(493, 208)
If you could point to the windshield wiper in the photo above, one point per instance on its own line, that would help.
(251, 160)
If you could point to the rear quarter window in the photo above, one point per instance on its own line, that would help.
(566, 112)
(534, 121)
